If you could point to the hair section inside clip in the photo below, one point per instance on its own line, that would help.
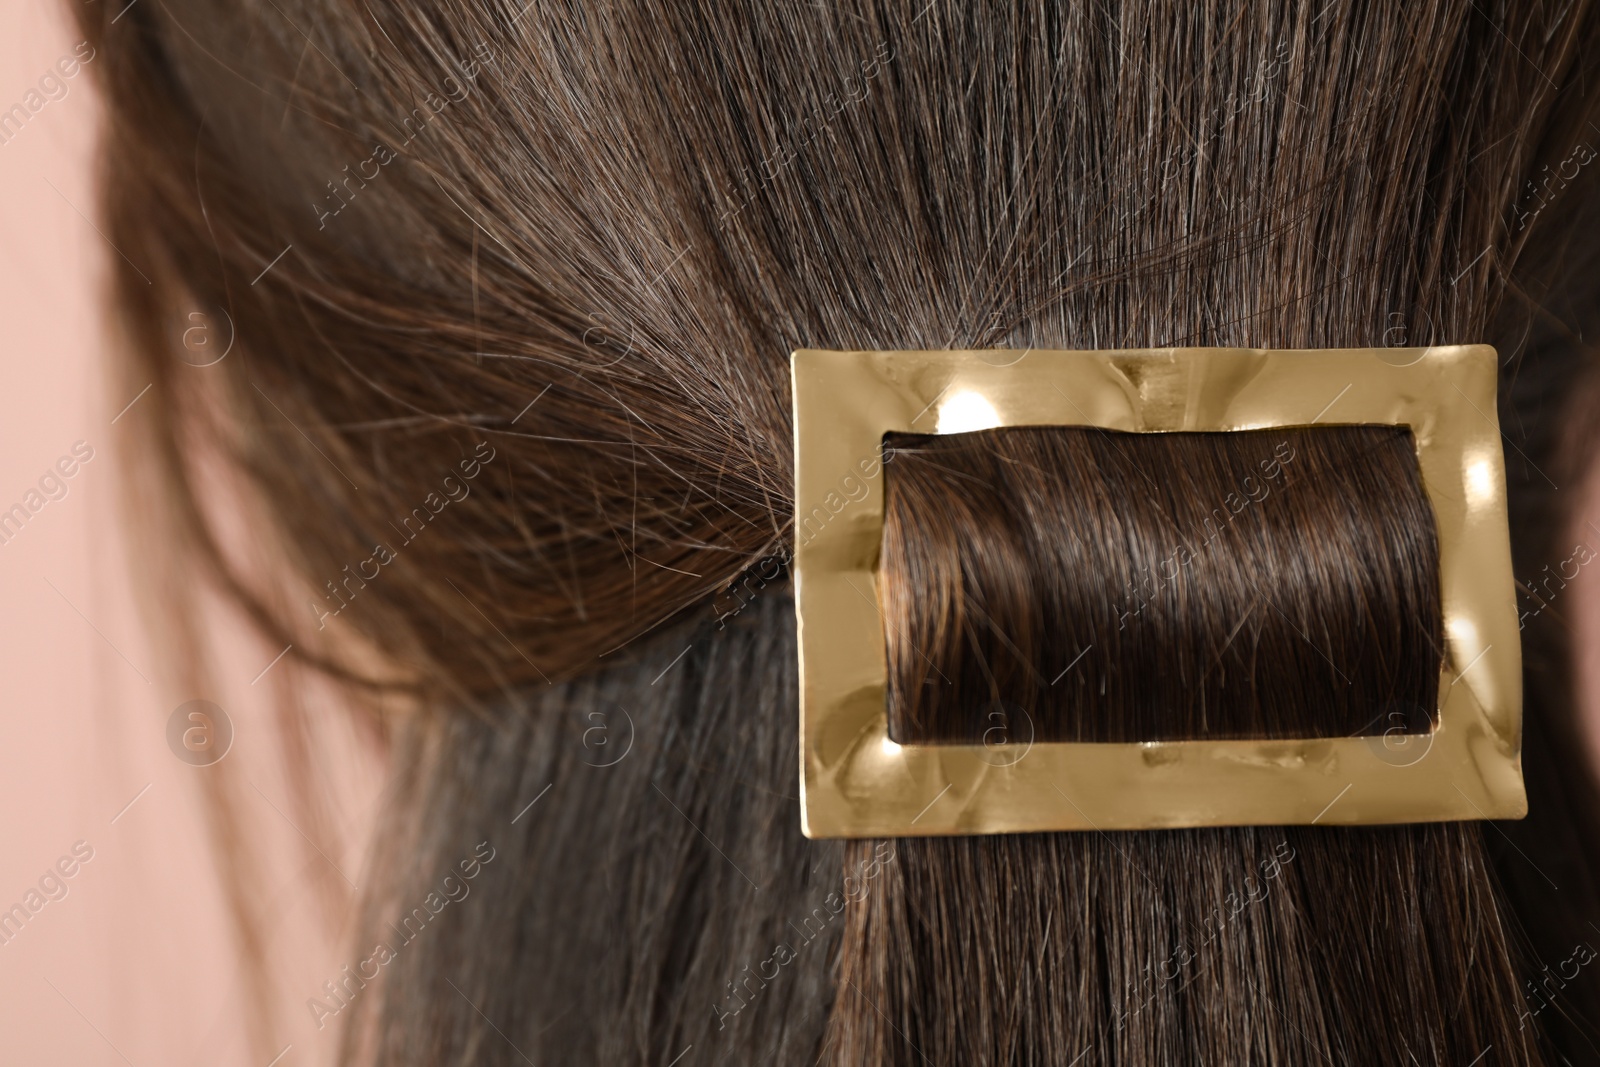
(1077, 584)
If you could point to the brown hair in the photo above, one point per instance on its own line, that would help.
(572, 245)
(1081, 585)
(1044, 584)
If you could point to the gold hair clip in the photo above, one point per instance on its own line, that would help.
(855, 781)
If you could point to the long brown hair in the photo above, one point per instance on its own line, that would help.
(512, 289)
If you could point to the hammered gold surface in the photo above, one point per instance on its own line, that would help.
(856, 782)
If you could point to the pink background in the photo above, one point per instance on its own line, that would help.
(138, 964)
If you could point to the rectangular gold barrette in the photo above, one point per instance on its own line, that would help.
(857, 782)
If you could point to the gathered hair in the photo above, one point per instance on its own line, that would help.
(509, 290)
(1082, 585)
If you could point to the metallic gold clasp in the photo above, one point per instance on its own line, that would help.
(856, 782)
